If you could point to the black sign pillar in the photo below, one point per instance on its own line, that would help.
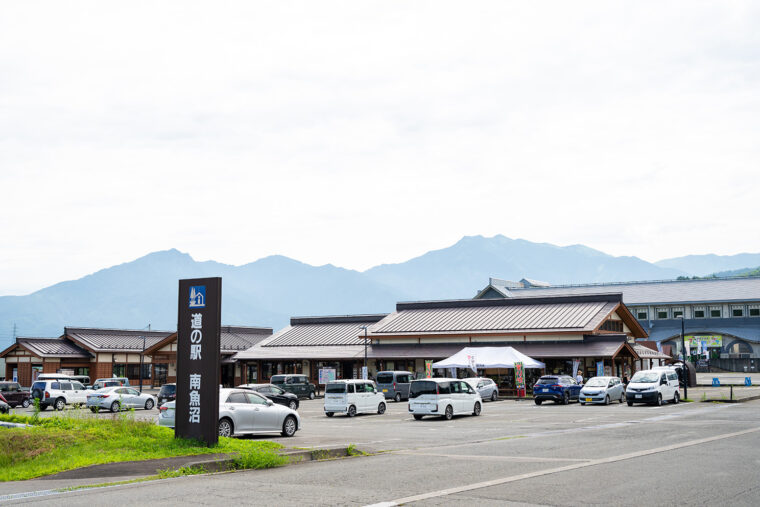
(198, 366)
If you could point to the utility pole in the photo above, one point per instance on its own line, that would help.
(685, 368)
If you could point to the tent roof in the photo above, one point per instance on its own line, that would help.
(489, 357)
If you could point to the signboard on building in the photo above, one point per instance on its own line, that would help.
(326, 375)
(198, 362)
(695, 341)
(428, 368)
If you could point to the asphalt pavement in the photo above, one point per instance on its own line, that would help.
(515, 453)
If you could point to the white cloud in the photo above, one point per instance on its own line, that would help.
(359, 133)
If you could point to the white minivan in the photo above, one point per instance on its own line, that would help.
(353, 397)
(445, 397)
(653, 386)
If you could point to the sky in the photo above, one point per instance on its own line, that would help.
(360, 133)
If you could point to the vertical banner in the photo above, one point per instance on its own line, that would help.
(428, 369)
(364, 373)
(473, 365)
(519, 376)
(600, 368)
(198, 362)
(576, 364)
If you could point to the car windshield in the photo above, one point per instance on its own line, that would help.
(646, 377)
(548, 380)
(420, 387)
(168, 389)
(336, 388)
(385, 378)
(597, 382)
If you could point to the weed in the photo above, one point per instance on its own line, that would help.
(704, 396)
(180, 472)
(259, 459)
(351, 450)
(318, 454)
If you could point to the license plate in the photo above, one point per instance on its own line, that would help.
(544, 390)
(385, 390)
(588, 399)
(638, 396)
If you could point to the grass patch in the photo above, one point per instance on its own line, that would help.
(75, 440)
(351, 450)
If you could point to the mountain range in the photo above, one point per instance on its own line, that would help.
(269, 291)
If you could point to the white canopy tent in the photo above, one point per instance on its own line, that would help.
(488, 357)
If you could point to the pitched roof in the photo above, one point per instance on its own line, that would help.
(49, 347)
(512, 315)
(232, 338)
(652, 292)
(645, 352)
(113, 340)
(747, 328)
(333, 337)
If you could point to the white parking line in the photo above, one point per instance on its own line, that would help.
(530, 475)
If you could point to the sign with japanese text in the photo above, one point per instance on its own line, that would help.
(198, 361)
(428, 369)
(519, 375)
(326, 375)
(696, 341)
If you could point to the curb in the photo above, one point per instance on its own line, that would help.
(4, 424)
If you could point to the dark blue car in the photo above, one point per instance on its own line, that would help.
(557, 388)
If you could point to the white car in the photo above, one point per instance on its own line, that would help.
(118, 398)
(243, 411)
(486, 387)
(59, 393)
(353, 397)
(653, 386)
(445, 397)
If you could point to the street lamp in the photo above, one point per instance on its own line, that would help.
(365, 348)
(685, 368)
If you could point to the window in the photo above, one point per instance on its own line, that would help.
(737, 311)
(662, 313)
(119, 370)
(641, 313)
(715, 311)
(699, 312)
(443, 388)
(65, 386)
(256, 399)
(677, 312)
(350, 388)
(237, 398)
(754, 310)
(77, 386)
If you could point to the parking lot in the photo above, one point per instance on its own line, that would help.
(514, 452)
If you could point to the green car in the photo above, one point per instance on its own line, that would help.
(296, 384)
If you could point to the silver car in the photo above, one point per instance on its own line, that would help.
(602, 390)
(118, 398)
(242, 412)
(486, 387)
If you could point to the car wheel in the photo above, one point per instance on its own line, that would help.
(476, 409)
(351, 411)
(493, 396)
(226, 429)
(417, 417)
(566, 398)
(538, 402)
(25, 403)
(659, 400)
(607, 399)
(312, 395)
(630, 403)
(448, 414)
(329, 414)
(94, 410)
(676, 398)
(149, 405)
(293, 405)
(115, 406)
(60, 404)
(289, 427)
(381, 408)
(397, 397)
(43, 407)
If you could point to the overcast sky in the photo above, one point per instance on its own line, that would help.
(357, 133)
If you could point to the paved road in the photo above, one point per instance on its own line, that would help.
(514, 453)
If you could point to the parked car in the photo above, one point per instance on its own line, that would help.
(602, 390)
(242, 411)
(653, 386)
(4, 407)
(14, 395)
(394, 384)
(445, 397)
(353, 397)
(108, 382)
(82, 379)
(58, 393)
(118, 398)
(275, 394)
(557, 388)
(167, 393)
(486, 387)
(296, 384)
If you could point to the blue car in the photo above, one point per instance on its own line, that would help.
(557, 388)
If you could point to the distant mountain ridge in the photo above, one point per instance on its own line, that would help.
(267, 292)
(704, 265)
